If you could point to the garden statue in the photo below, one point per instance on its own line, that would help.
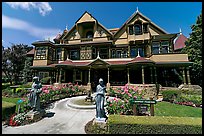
(34, 98)
(100, 97)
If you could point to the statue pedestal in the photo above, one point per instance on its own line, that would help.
(100, 122)
(35, 115)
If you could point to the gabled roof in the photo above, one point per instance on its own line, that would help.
(179, 42)
(99, 60)
(86, 12)
(31, 52)
(141, 59)
(140, 14)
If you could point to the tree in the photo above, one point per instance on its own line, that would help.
(27, 72)
(13, 61)
(194, 50)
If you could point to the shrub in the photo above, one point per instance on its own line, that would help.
(5, 85)
(121, 124)
(45, 80)
(195, 99)
(121, 104)
(170, 95)
(7, 109)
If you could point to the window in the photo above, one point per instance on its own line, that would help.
(133, 52)
(43, 74)
(51, 54)
(94, 53)
(138, 29)
(40, 53)
(89, 34)
(113, 54)
(74, 54)
(145, 28)
(124, 54)
(155, 48)
(131, 30)
(59, 54)
(164, 47)
(103, 53)
(141, 52)
(118, 54)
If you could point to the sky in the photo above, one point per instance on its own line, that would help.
(27, 22)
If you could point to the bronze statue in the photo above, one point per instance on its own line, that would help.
(34, 98)
(100, 98)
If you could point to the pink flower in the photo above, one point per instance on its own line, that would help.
(130, 95)
(122, 106)
(46, 91)
(135, 97)
(111, 105)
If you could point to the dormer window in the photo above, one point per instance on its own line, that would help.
(89, 34)
(145, 28)
(138, 29)
(131, 30)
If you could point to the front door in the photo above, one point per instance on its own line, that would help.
(96, 74)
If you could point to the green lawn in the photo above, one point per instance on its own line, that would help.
(170, 109)
(12, 100)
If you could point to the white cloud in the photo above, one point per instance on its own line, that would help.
(43, 7)
(38, 32)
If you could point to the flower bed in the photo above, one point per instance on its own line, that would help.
(49, 94)
(120, 104)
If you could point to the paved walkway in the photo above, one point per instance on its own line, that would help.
(65, 120)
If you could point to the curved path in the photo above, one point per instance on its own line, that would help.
(66, 120)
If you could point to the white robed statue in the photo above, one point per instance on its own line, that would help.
(34, 98)
(100, 98)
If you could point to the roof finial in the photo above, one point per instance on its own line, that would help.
(138, 53)
(180, 31)
(137, 10)
(98, 57)
(66, 28)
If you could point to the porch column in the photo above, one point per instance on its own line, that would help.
(143, 82)
(128, 75)
(60, 75)
(151, 75)
(184, 76)
(108, 76)
(108, 83)
(89, 81)
(155, 75)
(129, 51)
(188, 76)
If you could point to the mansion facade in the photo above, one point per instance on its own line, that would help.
(139, 52)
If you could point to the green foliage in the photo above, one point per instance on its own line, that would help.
(120, 104)
(171, 109)
(45, 80)
(7, 109)
(196, 99)
(13, 60)
(194, 50)
(170, 95)
(120, 124)
(27, 72)
(5, 85)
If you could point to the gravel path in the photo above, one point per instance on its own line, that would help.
(65, 120)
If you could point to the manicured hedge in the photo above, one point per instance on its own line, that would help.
(121, 124)
(7, 109)
(170, 95)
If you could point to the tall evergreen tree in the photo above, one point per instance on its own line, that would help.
(27, 72)
(13, 61)
(194, 50)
